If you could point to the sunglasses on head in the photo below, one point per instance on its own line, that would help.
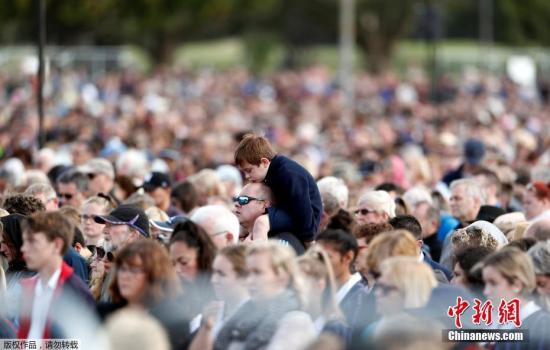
(100, 252)
(67, 196)
(244, 200)
(363, 211)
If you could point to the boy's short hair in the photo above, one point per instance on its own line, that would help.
(53, 225)
(252, 149)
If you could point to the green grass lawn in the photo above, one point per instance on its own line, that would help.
(452, 55)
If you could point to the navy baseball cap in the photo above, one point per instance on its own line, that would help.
(474, 151)
(156, 179)
(129, 215)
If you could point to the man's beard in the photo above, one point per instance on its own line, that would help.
(109, 246)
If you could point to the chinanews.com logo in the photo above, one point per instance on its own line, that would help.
(506, 328)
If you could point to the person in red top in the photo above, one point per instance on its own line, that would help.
(46, 238)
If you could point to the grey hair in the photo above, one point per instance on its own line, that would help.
(336, 187)
(381, 202)
(540, 254)
(472, 189)
(41, 188)
(80, 180)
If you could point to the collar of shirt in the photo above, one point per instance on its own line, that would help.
(50, 285)
(527, 310)
(421, 257)
(343, 291)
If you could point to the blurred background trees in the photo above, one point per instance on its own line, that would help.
(160, 26)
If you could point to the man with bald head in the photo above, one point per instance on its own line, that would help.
(220, 224)
(251, 205)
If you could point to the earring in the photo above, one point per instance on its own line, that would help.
(516, 291)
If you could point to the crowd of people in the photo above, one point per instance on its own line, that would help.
(153, 218)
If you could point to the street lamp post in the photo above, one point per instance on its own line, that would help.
(40, 85)
(347, 44)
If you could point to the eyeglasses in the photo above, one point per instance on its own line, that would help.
(91, 176)
(384, 288)
(85, 217)
(244, 200)
(363, 211)
(67, 196)
(100, 253)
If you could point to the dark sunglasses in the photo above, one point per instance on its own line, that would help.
(68, 196)
(244, 200)
(384, 288)
(363, 211)
(100, 252)
(85, 217)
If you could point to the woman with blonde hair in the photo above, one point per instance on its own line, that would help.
(93, 232)
(209, 186)
(321, 292)
(405, 284)
(229, 273)
(275, 319)
(155, 214)
(386, 245)
(509, 278)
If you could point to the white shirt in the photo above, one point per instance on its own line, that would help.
(344, 290)
(43, 294)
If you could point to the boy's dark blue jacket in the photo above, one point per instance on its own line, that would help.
(297, 194)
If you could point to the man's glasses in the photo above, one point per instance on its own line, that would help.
(363, 211)
(67, 196)
(244, 200)
(100, 252)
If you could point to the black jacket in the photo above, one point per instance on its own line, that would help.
(297, 194)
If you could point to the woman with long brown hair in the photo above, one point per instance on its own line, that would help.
(145, 279)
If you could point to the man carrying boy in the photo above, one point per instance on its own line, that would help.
(46, 238)
(296, 193)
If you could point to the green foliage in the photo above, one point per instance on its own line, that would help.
(161, 25)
